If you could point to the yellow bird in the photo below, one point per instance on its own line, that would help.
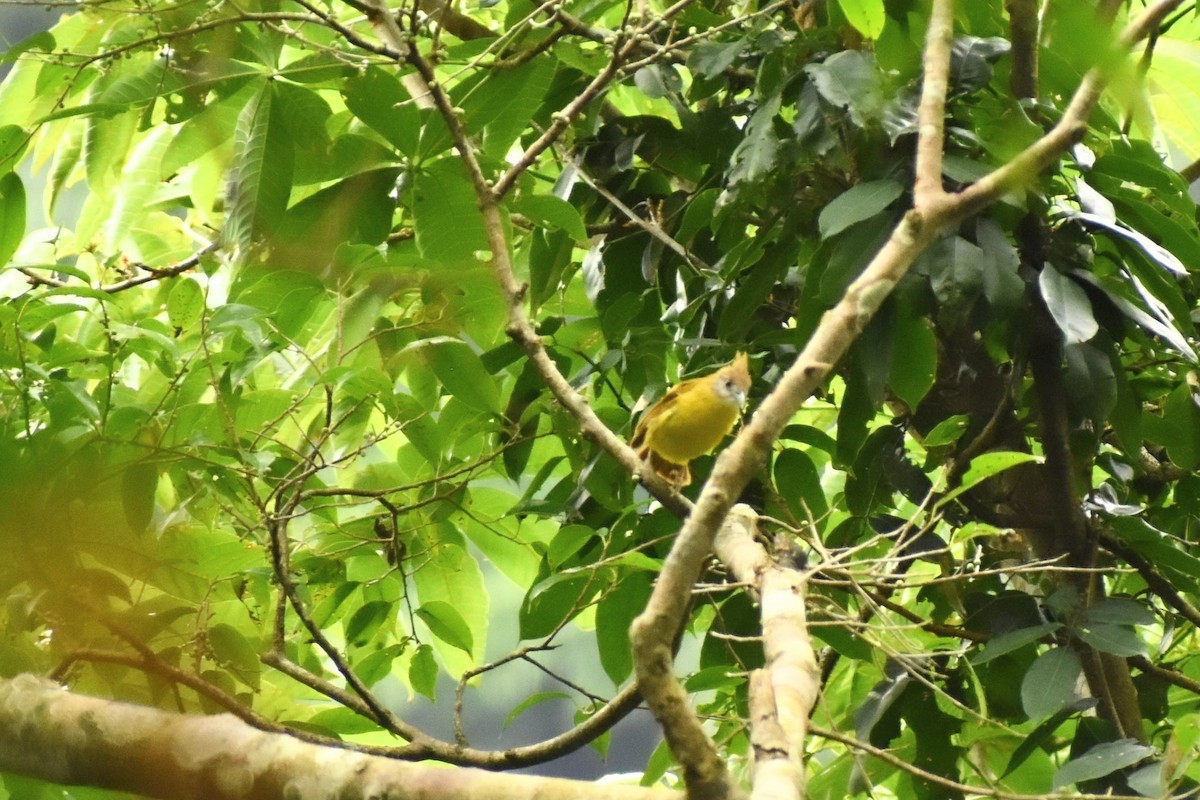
(691, 419)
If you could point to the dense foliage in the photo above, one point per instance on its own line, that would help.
(267, 443)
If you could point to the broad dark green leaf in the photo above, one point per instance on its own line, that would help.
(1068, 305)
(378, 99)
(799, 484)
(502, 104)
(712, 58)
(851, 80)
(551, 212)
(914, 366)
(758, 150)
(947, 431)
(1120, 640)
(1049, 684)
(234, 650)
(858, 203)
(1103, 759)
(1119, 611)
(1013, 640)
(1091, 381)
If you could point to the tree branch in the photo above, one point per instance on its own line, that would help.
(70, 739)
(782, 695)
(1023, 27)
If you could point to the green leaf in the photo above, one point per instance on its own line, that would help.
(867, 16)
(366, 621)
(447, 624)
(1091, 381)
(1013, 640)
(914, 366)
(1119, 611)
(1120, 640)
(553, 600)
(139, 481)
(947, 431)
(856, 204)
(551, 212)
(379, 100)
(532, 700)
(377, 665)
(236, 652)
(423, 672)
(502, 104)
(566, 543)
(1002, 285)
(139, 182)
(12, 216)
(758, 150)
(1049, 684)
(185, 303)
(989, 464)
(614, 615)
(452, 576)
(1181, 424)
(461, 372)
(851, 80)
(13, 141)
(710, 58)
(1068, 305)
(447, 222)
(955, 268)
(1102, 759)
(260, 181)
(799, 484)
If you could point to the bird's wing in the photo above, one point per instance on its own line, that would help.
(660, 411)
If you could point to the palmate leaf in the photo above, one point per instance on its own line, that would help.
(260, 180)
(447, 222)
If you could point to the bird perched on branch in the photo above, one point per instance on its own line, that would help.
(691, 419)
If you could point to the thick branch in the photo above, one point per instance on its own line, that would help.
(931, 114)
(1023, 24)
(782, 694)
(69, 739)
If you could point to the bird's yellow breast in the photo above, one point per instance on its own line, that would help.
(693, 426)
